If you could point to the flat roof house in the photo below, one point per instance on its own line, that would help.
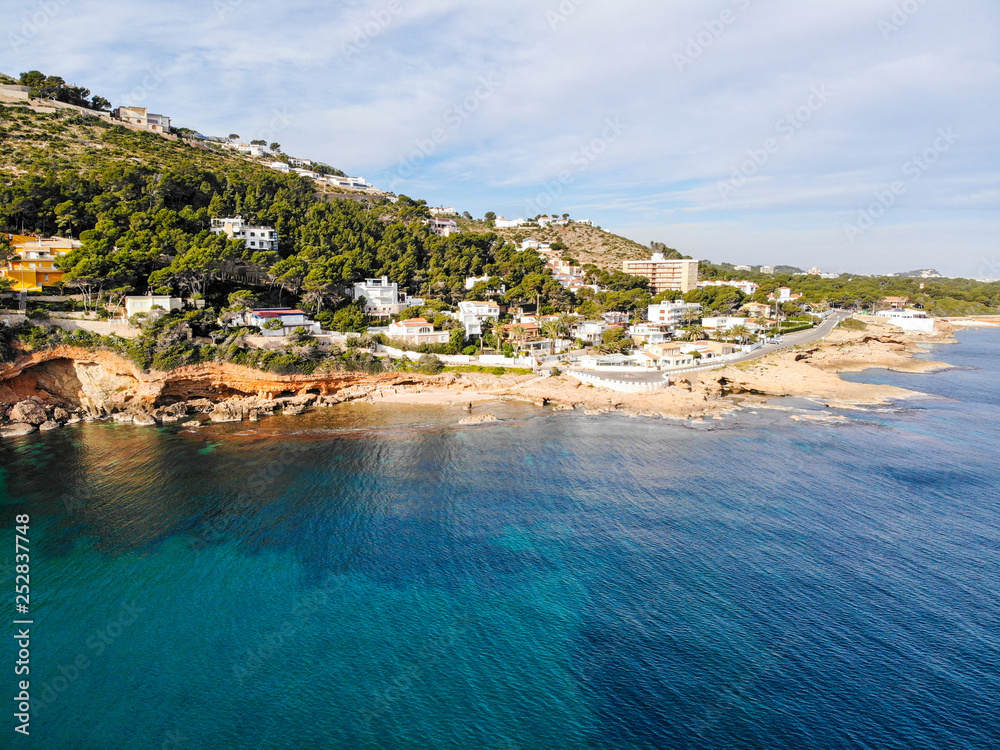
(143, 118)
(288, 320)
(255, 238)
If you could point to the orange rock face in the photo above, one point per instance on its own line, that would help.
(104, 382)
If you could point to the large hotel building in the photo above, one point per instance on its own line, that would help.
(665, 275)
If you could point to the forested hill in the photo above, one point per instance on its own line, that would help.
(142, 206)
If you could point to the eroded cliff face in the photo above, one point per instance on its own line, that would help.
(101, 383)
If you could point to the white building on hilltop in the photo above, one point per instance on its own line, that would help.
(143, 118)
(502, 223)
(256, 238)
(383, 298)
(443, 227)
(532, 244)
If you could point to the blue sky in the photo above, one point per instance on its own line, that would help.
(853, 135)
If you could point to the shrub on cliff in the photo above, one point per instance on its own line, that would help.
(430, 365)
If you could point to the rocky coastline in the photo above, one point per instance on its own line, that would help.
(47, 389)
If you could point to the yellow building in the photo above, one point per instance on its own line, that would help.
(35, 264)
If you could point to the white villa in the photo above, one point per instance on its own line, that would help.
(648, 333)
(472, 315)
(258, 238)
(417, 331)
(443, 227)
(748, 288)
(288, 320)
(590, 330)
(383, 298)
(783, 294)
(530, 244)
(143, 118)
(671, 314)
(471, 281)
(145, 304)
(502, 223)
(726, 323)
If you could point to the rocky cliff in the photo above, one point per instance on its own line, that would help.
(54, 386)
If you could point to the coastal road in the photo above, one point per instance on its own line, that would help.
(796, 339)
(787, 342)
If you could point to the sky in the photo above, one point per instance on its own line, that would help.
(851, 135)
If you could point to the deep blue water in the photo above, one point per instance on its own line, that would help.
(548, 581)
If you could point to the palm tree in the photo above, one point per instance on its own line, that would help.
(740, 333)
(565, 323)
(519, 333)
(497, 329)
(550, 329)
(690, 315)
(695, 333)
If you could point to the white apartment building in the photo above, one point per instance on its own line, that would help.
(383, 298)
(473, 315)
(256, 238)
(671, 314)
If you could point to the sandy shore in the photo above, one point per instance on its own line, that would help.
(811, 371)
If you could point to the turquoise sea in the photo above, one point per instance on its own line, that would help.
(379, 577)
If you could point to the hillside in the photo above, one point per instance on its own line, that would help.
(141, 204)
(585, 243)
